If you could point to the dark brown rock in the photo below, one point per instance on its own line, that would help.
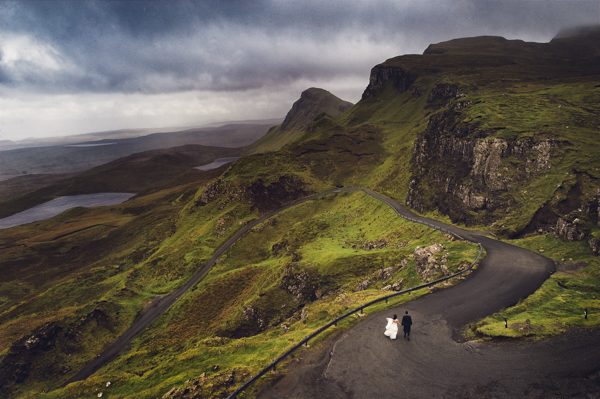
(261, 195)
(383, 76)
(594, 245)
(267, 196)
(301, 283)
(570, 230)
(280, 247)
(218, 385)
(221, 190)
(15, 366)
(442, 92)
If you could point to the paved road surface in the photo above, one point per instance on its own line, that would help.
(363, 363)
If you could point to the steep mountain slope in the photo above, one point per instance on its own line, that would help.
(312, 104)
(500, 134)
(285, 274)
(507, 134)
(485, 130)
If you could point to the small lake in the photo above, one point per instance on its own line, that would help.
(84, 145)
(216, 163)
(59, 205)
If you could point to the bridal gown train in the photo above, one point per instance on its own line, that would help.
(391, 329)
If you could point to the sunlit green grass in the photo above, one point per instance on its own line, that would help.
(560, 302)
(186, 341)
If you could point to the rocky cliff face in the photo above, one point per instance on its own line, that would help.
(510, 137)
(467, 173)
(477, 176)
(383, 76)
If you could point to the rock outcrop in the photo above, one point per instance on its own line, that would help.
(442, 93)
(467, 173)
(297, 287)
(430, 261)
(260, 194)
(17, 363)
(383, 274)
(570, 230)
(267, 196)
(217, 385)
(382, 76)
(52, 339)
(222, 190)
(302, 283)
(594, 244)
(280, 247)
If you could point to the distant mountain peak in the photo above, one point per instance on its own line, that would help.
(312, 103)
(315, 92)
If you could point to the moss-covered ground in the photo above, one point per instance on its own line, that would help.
(329, 237)
(559, 304)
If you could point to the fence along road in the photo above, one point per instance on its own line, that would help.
(360, 309)
(362, 363)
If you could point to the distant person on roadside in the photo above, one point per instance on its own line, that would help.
(391, 329)
(406, 323)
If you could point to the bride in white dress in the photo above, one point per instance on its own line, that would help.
(391, 329)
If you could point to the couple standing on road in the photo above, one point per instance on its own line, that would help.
(391, 329)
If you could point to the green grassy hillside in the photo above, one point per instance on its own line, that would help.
(287, 277)
(485, 132)
(312, 104)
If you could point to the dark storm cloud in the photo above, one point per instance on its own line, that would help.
(154, 47)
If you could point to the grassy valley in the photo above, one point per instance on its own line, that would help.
(91, 151)
(139, 173)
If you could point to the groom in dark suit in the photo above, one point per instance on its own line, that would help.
(406, 323)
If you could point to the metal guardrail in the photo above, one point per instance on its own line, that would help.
(361, 308)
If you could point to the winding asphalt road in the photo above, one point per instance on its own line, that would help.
(363, 363)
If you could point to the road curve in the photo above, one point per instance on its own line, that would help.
(363, 363)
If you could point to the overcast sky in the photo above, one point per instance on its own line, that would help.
(70, 67)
